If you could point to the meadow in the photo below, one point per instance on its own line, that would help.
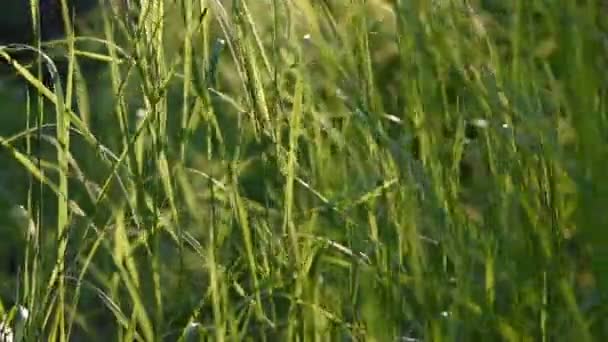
(309, 170)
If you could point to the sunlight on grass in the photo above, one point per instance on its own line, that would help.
(309, 170)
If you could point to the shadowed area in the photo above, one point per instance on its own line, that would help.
(16, 19)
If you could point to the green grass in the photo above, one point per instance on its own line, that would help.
(313, 170)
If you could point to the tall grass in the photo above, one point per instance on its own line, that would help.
(315, 170)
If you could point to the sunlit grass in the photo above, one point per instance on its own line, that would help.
(314, 170)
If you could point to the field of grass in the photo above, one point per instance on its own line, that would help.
(310, 170)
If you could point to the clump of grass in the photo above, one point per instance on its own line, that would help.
(382, 170)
